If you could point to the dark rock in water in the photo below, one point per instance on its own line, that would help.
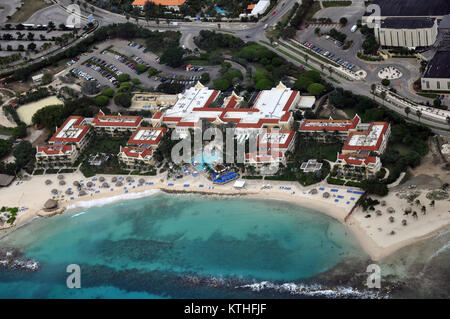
(11, 258)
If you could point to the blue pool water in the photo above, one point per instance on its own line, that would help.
(206, 158)
(220, 10)
(151, 247)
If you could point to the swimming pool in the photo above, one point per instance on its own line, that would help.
(220, 10)
(206, 158)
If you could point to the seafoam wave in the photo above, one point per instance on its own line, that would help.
(315, 290)
(113, 199)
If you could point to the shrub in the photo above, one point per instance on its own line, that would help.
(101, 100)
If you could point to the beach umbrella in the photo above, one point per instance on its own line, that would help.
(378, 212)
(82, 193)
(326, 195)
(383, 203)
(314, 191)
(48, 182)
(54, 191)
(404, 222)
(114, 179)
(105, 185)
(51, 204)
(69, 192)
(392, 232)
(61, 182)
(60, 176)
(141, 181)
(390, 210)
(76, 183)
(89, 184)
(101, 179)
(408, 210)
(391, 219)
(119, 183)
(129, 178)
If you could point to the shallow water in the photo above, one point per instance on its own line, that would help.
(175, 246)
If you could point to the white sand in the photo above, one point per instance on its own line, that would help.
(34, 193)
(27, 111)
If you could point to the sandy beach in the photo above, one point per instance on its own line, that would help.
(373, 233)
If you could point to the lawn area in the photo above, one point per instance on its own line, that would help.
(26, 11)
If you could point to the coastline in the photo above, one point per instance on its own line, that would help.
(377, 246)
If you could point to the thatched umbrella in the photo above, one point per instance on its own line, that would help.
(82, 193)
(51, 204)
(326, 195)
(408, 210)
(391, 219)
(89, 184)
(378, 212)
(60, 176)
(390, 210)
(383, 203)
(48, 182)
(129, 179)
(119, 183)
(314, 191)
(76, 183)
(105, 185)
(61, 182)
(54, 191)
(69, 192)
(392, 232)
(114, 179)
(101, 179)
(404, 222)
(141, 181)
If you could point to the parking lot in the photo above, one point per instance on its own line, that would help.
(329, 55)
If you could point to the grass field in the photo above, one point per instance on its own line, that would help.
(26, 11)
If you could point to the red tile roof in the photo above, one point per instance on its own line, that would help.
(320, 125)
(357, 159)
(76, 125)
(116, 120)
(136, 152)
(376, 147)
(55, 149)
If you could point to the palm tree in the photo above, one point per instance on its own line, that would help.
(419, 114)
(407, 111)
(417, 202)
(372, 88)
(424, 210)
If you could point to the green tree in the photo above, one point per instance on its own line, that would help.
(222, 84)
(123, 99)
(316, 89)
(173, 56)
(101, 100)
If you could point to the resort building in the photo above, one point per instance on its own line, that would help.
(74, 131)
(322, 130)
(152, 101)
(113, 124)
(56, 155)
(271, 109)
(437, 73)
(272, 146)
(172, 4)
(147, 137)
(132, 156)
(361, 164)
(363, 142)
(371, 140)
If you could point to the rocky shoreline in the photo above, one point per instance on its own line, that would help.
(11, 259)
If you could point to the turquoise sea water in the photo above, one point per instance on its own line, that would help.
(152, 247)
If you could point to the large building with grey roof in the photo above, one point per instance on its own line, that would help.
(436, 76)
(407, 23)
